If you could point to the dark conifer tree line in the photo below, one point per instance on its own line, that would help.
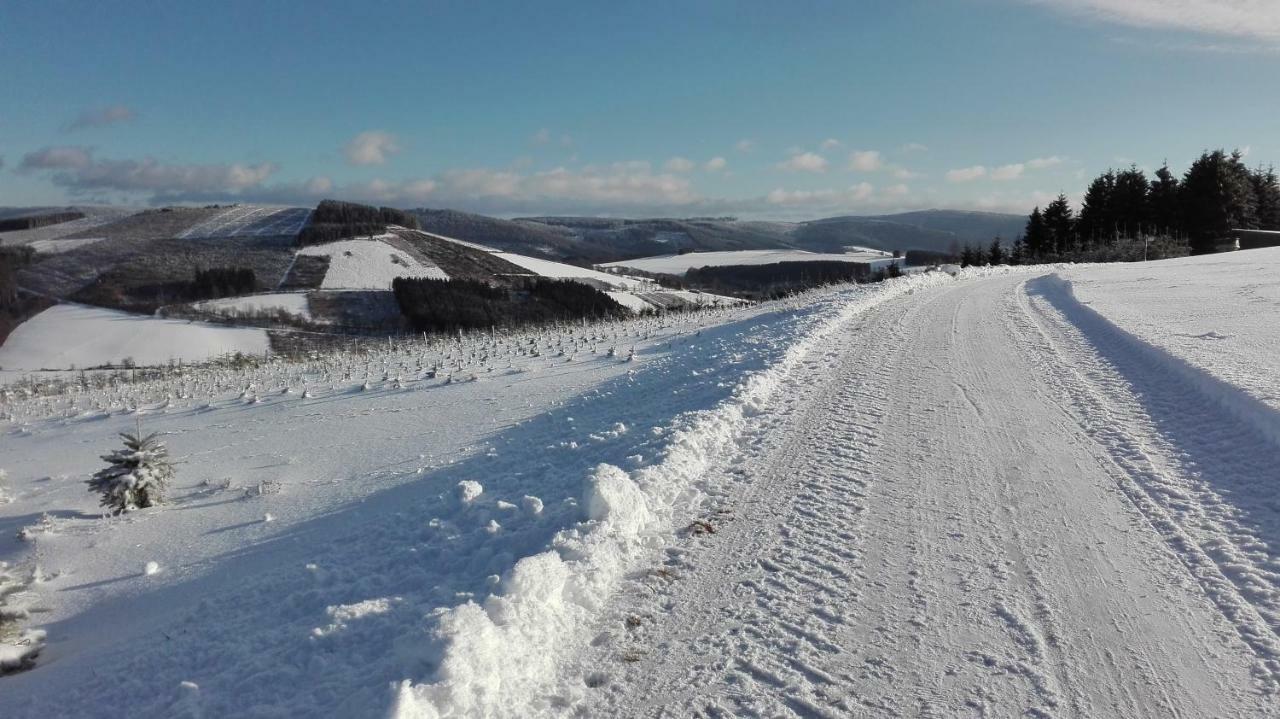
(1126, 216)
(335, 220)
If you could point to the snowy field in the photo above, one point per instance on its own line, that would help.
(680, 264)
(53, 247)
(558, 270)
(94, 217)
(250, 221)
(294, 303)
(77, 336)
(369, 264)
(982, 495)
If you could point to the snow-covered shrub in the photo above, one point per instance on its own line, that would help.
(136, 476)
(18, 647)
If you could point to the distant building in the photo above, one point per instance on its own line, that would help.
(1253, 239)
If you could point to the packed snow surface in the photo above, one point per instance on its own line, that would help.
(77, 336)
(936, 495)
(294, 303)
(369, 264)
(680, 264)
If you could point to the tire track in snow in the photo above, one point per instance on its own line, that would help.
(923, 531)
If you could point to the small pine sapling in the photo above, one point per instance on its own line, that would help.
(136, 476)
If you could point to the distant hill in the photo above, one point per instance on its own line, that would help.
(934, 230)
(597, 240)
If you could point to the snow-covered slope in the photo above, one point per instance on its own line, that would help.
(71, 336)
(680, 264)
(369, 264)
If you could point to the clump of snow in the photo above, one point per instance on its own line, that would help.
(532, 505)
(369, 264)
(151, 568)
(468, 489)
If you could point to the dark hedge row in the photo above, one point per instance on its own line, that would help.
(449, 305)
(773, 279)
(34, 221)
(223, 282)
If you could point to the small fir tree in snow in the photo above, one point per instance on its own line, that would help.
(136, 476)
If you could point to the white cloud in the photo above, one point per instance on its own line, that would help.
(902, 173)
(967, 174)
(913, 147)
(745, 146)
(1237, 18)
(65, 157)
(542, 137)
(77, 170)
(679, 164)
(831, 143)
(822, 198)
(1008, 172)
(865, 161)
(804, 162)
(898, 190)
(1040, 163)
(716, 164)
(861, 191)
(101, 117)
(373, 147)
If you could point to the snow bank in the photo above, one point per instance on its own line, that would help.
(680, 264)
(369, 264)
(66, 336)
(1243, 384)
(498, 655)
(1216, 313)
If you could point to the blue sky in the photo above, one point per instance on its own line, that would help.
(757, 109)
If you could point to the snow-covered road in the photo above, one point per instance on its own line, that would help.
(975, 502)
(981, 496)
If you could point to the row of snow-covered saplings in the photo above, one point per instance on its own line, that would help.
(391, 364)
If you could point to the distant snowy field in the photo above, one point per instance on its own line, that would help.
(250, 221)
(77, 336)
(369, 265)
(295, 303)
(680, 264)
